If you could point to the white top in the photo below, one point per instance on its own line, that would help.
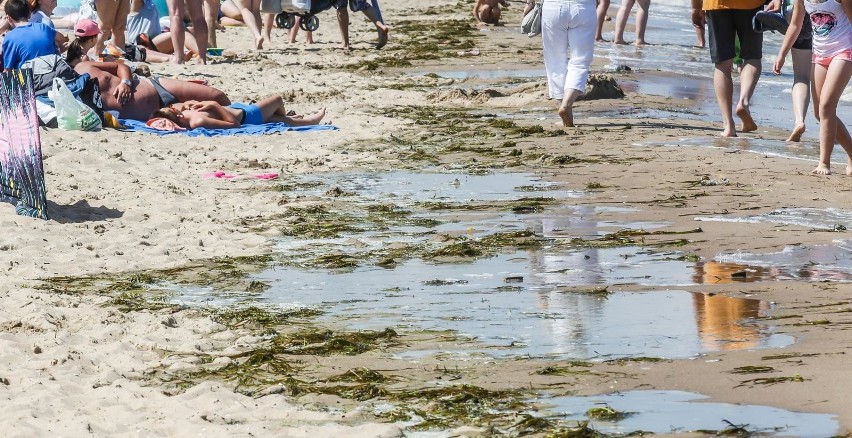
(832, 30)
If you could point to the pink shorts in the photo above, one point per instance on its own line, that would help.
(824, 61)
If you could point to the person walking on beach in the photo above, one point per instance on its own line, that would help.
(371, 10)
(727, 20)
(199, 27)
(832, 68)
(641, 21)
(801, 54)
(603, 7)
(568, 37)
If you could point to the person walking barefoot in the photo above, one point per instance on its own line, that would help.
(641, 21)
(832, 68)
(568, 37)
(603, 7)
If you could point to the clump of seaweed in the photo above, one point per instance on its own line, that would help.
(771, 380)
(606, 413)
(752, 370)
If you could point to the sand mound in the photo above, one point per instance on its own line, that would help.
(602, 87)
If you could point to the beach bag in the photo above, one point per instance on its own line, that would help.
(72, 114)
(531, 24)
(302, 5)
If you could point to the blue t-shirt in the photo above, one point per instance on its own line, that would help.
(27, 41)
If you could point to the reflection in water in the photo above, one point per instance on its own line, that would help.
(667, 412)
(719, 321)
(725, 273)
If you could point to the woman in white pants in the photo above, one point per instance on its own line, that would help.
(568, 31)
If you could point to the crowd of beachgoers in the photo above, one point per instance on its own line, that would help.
(819, 35)
(111, 42)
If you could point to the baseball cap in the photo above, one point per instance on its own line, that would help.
(86, 28)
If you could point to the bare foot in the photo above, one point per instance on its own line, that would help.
(312, 119)
(641, 43)
(728, 132)
(748, 123)
(601, 39)
(619, 42)
(567, 115)
(796, 134)
(383, 38)
(258, 43)
(821, 169)
(849, 166)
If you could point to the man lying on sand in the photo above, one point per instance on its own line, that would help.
(138, 99)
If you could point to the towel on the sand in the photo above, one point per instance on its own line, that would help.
(21, 169)
(266, 128)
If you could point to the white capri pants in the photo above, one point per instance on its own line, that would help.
(568, 36)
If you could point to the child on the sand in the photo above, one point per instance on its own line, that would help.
(210, 114)
(832, 68)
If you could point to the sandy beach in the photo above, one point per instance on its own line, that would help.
(99, 338)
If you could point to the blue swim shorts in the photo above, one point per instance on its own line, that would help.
(251, 113)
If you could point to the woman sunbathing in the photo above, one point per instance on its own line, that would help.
(210, 114)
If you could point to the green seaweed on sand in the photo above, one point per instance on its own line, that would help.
(581, 430)
(771, 380)
(606, 413)
(788, 356)
(131, 301)
(627, 237)
(259, 318)
(318, 222)
(752, 370)
(462, 247)
(359, 375)
(641, 359)
(450, 406)
(530, 425)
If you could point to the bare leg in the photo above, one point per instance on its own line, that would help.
(603, 6)
(566, 109)
(642, 21)
(699, 34)
(306, 120)
(343, 23)
(830, 84)
(211, 13)
(383, 30)
(268, 24)
(249, 19)
(723, 85)
(199, 28)
(749, 74)
(108, 11)
(801, 91)
(184, 90)
(176, 12)
(621, 21)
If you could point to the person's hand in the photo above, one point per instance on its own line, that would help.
(773, 6)
(697, 18)
(123, 93)
(779, 62)
(201, 106)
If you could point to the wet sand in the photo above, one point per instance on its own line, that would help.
(123, 353)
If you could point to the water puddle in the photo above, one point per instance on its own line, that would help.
(516, 304)
(667, 412)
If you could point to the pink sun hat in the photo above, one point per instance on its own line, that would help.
(86, 28)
